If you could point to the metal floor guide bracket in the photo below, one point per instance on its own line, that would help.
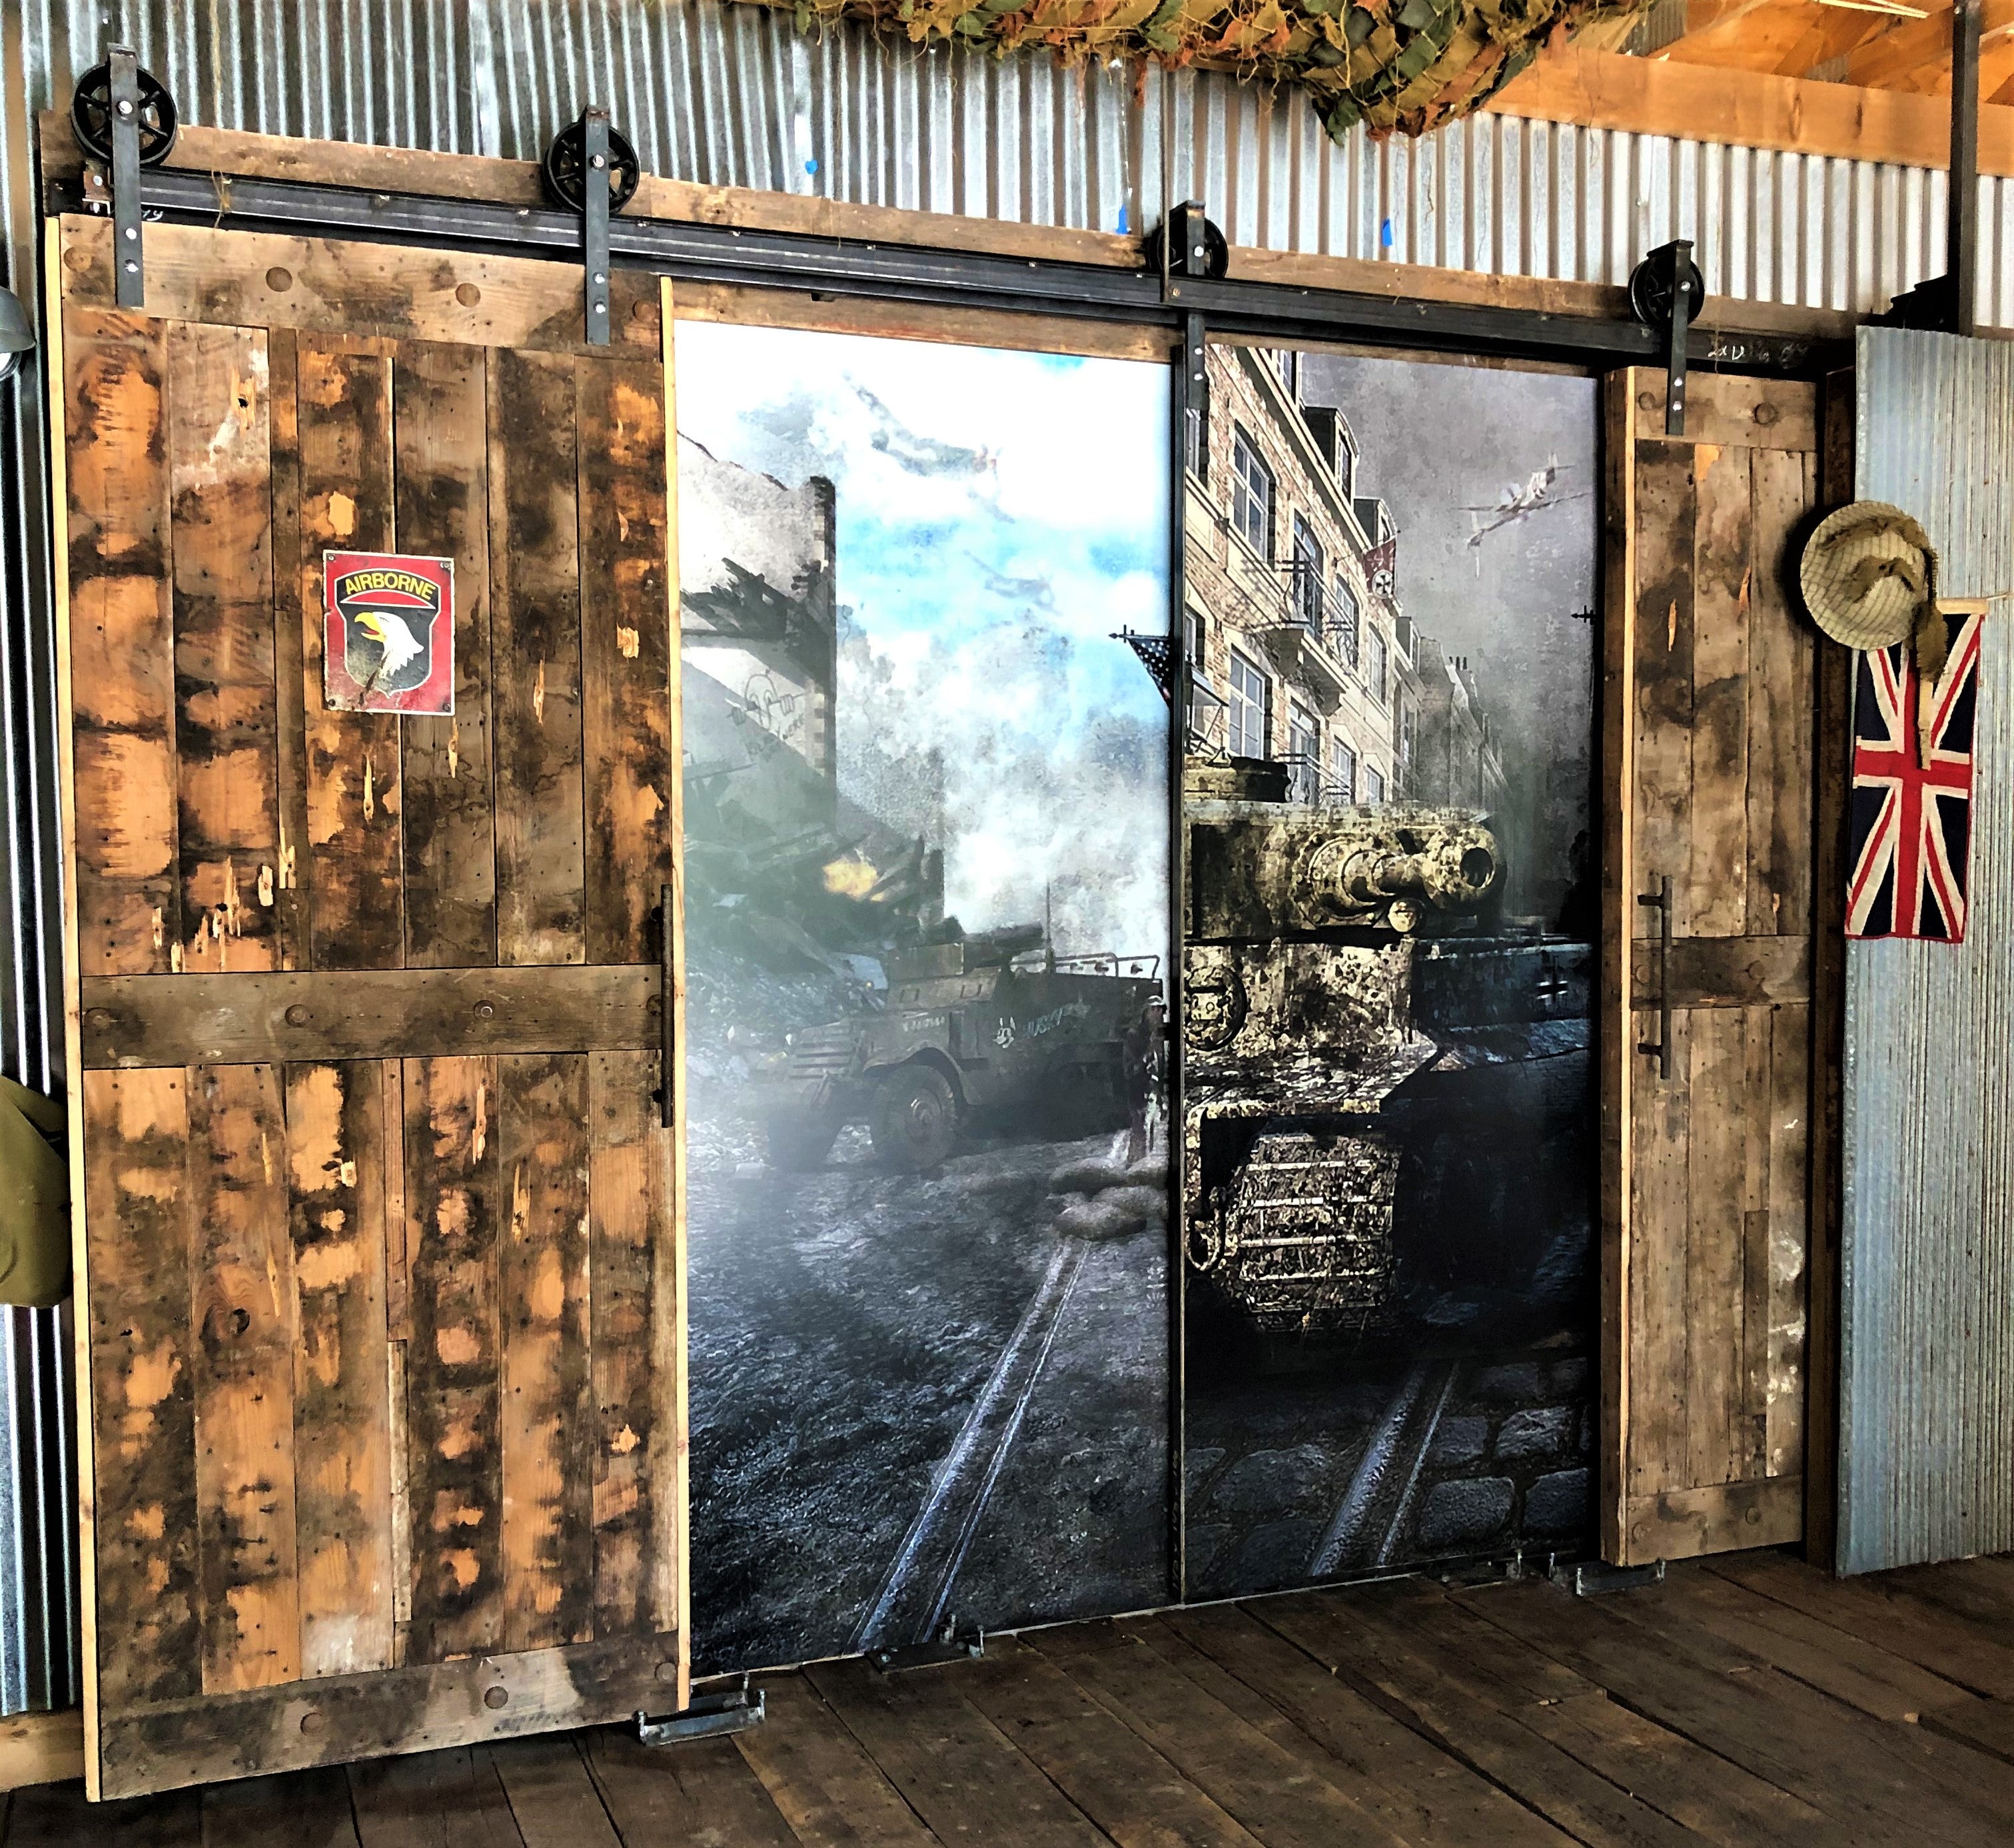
(950, 1644)
(711, 1716)
(1593, 1579)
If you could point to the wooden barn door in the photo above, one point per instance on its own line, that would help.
(1707, 1091)
(380, 1280)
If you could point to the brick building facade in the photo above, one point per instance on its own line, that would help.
(1301, 651)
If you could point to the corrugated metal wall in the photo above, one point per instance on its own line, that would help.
(1927, 1357)
(732, 95)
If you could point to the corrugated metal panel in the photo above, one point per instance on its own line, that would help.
(732, 95)
(1926, 1463)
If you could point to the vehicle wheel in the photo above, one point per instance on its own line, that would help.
(915, 1119)
(799, 1145)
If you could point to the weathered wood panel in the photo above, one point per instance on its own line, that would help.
(122, 645)
(328, 286)
(548, 1409)
(142, 1385)
(454, 1209)
(535, 549)
(337, 1138)
(355, 891)
(425, 1707)
(1726, 410)
(219, 479)
(626, 644)
(440, 411)
(368, 1014)
(243, 1305)
(634, 1312)
(1717, 670)
(294, 866)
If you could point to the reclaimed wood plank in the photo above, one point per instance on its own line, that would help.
(937, 1749)
(1684, 1524)
(1430, 1681)
(1868, 1776)
(337, 1134)
(1783, 1298)
(823, 1785)
(1823, 1655)
(1724, 971)
(547, 1406)
(1114, 1777)
(328, 287)
(433, 1799)
(288, 1016)
(454, 1215)
(553, 1800)
(122, 644)
(440, 416)
(142, 1377)
(1621, 881)
(1941, 1641)
(704, 1791)
(1664, 688)
(226, 721)
(535, 629)
(291, 871)
(1987, 1726)
(1709, 1314)
(625, 646)
(423, 1706)
(1262, 1786)
(634, 1312)
(1660, 1216)
(241, 1305)
(356, 910)
(1423, 1794)
(1748, 1435)
(1713, 885)
(1781, 686)
(1729, 410)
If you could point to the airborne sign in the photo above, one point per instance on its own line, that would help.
(388, 632)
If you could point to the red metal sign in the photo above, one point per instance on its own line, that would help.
(388, 632)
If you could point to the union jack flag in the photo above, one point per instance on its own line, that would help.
(1912, 816)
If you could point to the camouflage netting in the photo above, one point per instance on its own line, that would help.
(1408, 65)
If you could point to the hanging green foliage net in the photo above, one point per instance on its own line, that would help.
(1407, 65)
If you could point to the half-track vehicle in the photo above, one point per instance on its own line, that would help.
(991, 1031)
(1332, 954)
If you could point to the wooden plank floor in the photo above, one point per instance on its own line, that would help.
(1748, 1700)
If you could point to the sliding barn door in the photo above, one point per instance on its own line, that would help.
(379, 1275)
(1707, 1085)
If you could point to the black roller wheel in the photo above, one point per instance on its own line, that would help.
(1651, 286)
(915, 1119)
(564, 170)
(1217, 250)
(800, 1143)
(91, 116)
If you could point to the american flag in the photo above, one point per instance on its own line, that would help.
(1911, 816)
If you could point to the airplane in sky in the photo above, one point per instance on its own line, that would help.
(1539, 492)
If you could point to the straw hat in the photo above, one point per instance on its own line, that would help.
(1869, 573)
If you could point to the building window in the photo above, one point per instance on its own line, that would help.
(1303, 756)
(1250, 494)
(1307, 578)
(1343, 773)
(1374, 784)
(1376, 661)
(1342, 621)
(1251, 703)
(1346, 459)
(1197, 449)
(1404, 766)
(1287, 365)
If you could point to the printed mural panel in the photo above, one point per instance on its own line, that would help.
(927, 919)
(1389, 1262)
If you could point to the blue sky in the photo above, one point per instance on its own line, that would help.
(999, 514)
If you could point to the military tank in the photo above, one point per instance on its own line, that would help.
(1317, 942)
(990, 1029)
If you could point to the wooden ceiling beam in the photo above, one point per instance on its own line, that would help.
(1748, 109)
